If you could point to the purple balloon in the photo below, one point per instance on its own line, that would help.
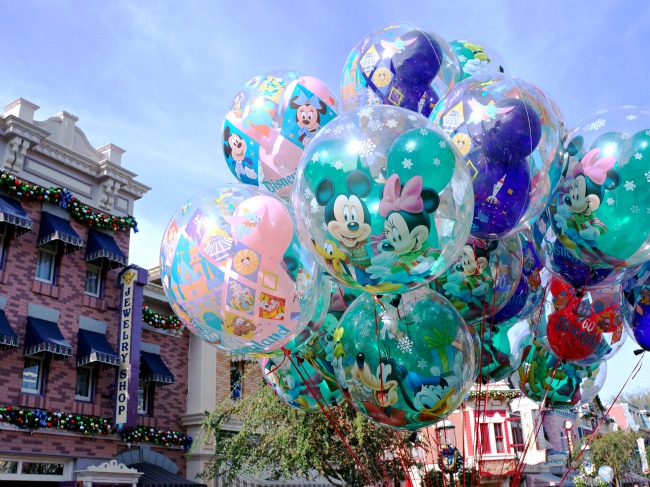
(637, 291)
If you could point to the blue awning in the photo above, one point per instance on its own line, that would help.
(103, 246)
(45, 336)
(56, 228)
(12, 213)
(8, 337)
(94, 347)
(153, 369)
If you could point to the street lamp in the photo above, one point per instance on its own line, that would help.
(449, 463)
(589, 467)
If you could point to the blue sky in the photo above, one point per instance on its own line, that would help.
(157, 77)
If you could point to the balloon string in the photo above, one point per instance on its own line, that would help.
(333, 423)
(635, 371)
(287, 353)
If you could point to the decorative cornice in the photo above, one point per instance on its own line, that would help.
(14, 125)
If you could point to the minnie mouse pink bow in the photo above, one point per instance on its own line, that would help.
(396, 198)
(594, 168)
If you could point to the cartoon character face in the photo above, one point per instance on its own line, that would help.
(349, 225)
(242, 326)
(308, 117)
(401, 239)
(429, 397)
(384, 382)
(252, 217)
(578, 199)
(237, 147)
(469, 264)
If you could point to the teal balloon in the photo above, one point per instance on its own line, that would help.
(568, 385)
(404, 361)
(501, 349)
(298, 384)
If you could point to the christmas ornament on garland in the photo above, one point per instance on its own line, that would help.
(142, 434)
(38, 418)
(163, 322)
(509, 394)
(66, 200)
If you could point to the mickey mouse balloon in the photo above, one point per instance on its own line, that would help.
(602, 212)
(383, 200)
(273, 118)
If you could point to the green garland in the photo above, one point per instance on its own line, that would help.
(64, 198)
(34, 419)
(164, 322)
(509, 394)
(150, 435)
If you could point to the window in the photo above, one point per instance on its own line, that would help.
(93, 280)
(518, 442)
(85, 382)
(145, 393)
(484, 437)
(7, 466)
(447, 436)
(499, 439)
(4, 240)
(46, 263)
(33, 375)
(42, 468)
(236, 373)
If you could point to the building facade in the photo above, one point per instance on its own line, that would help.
(65, 291)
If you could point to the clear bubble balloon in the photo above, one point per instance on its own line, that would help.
(299, 385)
(483, 279)
(234, 269)
(399, 65)
(507, 132)
(477, 58)
(501, 349)
(543, 378)
(410, 366)
(383, 200)
(605, 197)
(273, 118)
(637, 291)
(584, 327)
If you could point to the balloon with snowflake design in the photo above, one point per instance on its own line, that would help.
(383, 200)
(399, 65)
(605, 200)
(404, 361)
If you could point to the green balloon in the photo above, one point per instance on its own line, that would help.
(501, 350)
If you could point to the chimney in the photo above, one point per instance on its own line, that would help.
(22, 109)
(112, 153)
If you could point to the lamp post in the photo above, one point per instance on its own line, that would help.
(568, 426)
(589, 467)
(449, 463)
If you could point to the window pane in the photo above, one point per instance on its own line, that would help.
(92, 281)
(144, 398)
(8, 467)
(31, 375)
(485, 438)
(498, 438)
(44, 266)
(84, 377)
(43, 468)
(235, 382)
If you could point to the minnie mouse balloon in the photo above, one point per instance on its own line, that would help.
(605, 199)
(477, 58)
(273, 118)
(411, 366)
(483, 279)
(399, 65)
(583, 327)
(231, 263)
(383, 200)
(298, 384)
(543, 378)
(507, 132)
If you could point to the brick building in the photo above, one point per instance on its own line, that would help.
(67, 342)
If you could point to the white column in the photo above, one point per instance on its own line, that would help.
(201, 397)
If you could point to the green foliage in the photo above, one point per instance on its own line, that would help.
(637, 397)
(617, 450)
(282, 442)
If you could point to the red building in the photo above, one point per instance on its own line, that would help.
(64, 243)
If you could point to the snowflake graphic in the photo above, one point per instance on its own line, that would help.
(375, 125)
(625, 135)
(365, 112)
(405, 345)
(338, 165)
(617, 227)
(365, 332)
(602, 111)
(392, 123)
(442, 144)
(308, 194)
(436, 162)
(367, 148)
(338, 130)
(598, 124)
(308, 222)
(610, 201)
(316, 156)
(631, 117)
(412, 117)
(350, 126)
(391, 111)
(380, 155)
(324, 131)
(324, 227)
(635, 209)
(462, 58)
(638, 156)
(407, 164)
(424, 131)
(410, 147)
(647, 176)
(314, 209)
(629, 185)
(422, 364)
